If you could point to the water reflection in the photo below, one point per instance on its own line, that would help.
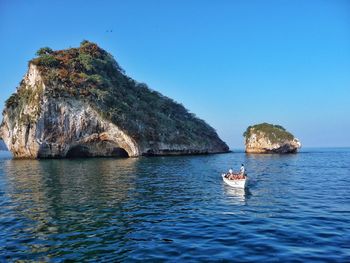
(236, 195)
(55, 198)
(59, 183)
(174, 208)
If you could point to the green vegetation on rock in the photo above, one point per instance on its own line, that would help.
(275, 133)
(91, 74)
(17, 101)
(44, 51)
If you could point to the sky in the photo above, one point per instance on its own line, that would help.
(232, 63)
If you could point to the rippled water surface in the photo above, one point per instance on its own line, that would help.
(296, 208)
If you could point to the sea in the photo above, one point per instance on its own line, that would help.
(296, 208)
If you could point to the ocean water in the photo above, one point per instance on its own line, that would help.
(296, 209)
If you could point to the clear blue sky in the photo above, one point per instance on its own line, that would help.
(232, 63)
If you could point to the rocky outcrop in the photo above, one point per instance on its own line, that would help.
(79, 103)
(269, 138)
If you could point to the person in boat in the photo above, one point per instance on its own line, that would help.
(242, 171)
(230, 173)
(235, 176)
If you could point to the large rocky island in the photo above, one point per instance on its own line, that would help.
(269, 138)
(80, 103)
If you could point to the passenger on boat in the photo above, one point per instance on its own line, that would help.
(236, 176)
(242, 170)
(241, 174)
(232, 176)
(229, 174)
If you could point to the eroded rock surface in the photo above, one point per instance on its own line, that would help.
(79, 103)
(268, 138)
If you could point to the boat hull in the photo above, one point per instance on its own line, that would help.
(237, 183)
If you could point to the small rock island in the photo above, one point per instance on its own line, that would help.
(269, 138)
(79, 102)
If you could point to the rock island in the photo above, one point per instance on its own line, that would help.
(269, 138)
(79, 102)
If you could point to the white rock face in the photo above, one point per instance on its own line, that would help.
(62, 128)
(32, 77)
(67, 128)
(258, 142)
(49, 127)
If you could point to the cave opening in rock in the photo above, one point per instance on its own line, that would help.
(104, 149)
(119, 152)
(78, 151)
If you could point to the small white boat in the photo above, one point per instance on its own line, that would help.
(238, 183)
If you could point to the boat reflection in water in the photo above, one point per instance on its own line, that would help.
(236, 195)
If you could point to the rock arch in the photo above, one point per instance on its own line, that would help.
(75, 130)
(78, 151)
(119, 152)
(97, 149)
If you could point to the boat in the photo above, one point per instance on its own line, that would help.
(238, 183)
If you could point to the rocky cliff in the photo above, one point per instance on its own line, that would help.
(79, 102)
(269, 138)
